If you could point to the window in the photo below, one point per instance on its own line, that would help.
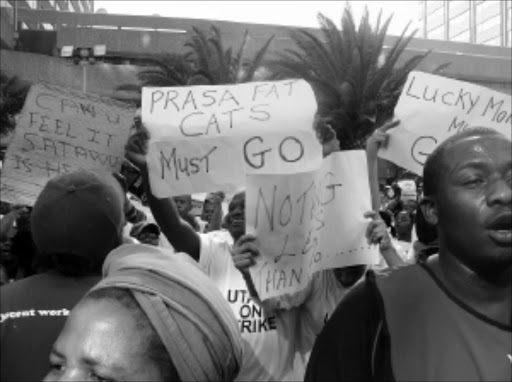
(459, 24)
(494, 41)
(461, 37)
(434, 5)
(494, 31)
(487, 10)
(488, 24)
(436, 34)
(435, 19)
(458, 7)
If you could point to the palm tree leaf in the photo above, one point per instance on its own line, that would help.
(256, 61)
(201, 50)
(333, 38)
(237, 60)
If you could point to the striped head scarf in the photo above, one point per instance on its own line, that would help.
(187, 311)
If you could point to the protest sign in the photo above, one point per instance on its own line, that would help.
(58, 131)
(207, 138)
(432, 108)
(309, 222)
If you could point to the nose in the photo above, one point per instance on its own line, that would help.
(499, 192)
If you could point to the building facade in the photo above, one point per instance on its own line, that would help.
(80, 6)
(478, 22)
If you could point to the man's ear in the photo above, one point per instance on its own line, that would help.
(429, 209)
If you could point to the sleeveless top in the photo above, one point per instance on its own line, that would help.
(434, 336)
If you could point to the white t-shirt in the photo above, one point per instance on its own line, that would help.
(311, 308)
(268, 353)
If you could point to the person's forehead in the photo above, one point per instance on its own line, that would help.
(490, 149)
(103, 331)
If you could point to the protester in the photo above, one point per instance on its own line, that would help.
(23, 247)
(268, 355)
(154, 316)
(212, 211)
(428, 240)
(402, 241)
(450, 317)
(183, 204)
(76, 221)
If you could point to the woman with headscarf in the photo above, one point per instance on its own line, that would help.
(154, 317)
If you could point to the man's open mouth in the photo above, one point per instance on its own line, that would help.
(500, 229)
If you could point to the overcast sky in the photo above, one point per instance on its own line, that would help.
(297, 13)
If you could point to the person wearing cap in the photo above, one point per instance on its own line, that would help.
(76, 221)
(155, 316)
(146, 233)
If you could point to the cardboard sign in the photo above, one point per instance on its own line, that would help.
(432, 108)
(58, 131)
(208, 138)
(308, 222)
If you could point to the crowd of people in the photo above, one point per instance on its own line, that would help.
(101, 282)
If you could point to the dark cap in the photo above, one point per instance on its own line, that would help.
(79, 213)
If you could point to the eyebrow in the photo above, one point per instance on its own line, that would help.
(91, 361)
(54, 351)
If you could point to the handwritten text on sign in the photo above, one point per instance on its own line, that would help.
(206, 138)
(309, 222)
(59, 131)
(432, 108)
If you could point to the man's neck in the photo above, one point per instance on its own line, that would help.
(404, 236)
(491, 299)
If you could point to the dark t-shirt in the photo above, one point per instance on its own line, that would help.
(33, 311)
(405, 325)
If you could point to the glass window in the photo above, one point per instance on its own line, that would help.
(435, 19)
(434, 5)
(459, 24)
(489, 33)
(488, 24)
(461, 37)
(487, 9)
(458, 7)
(493, 41)
(436, 34)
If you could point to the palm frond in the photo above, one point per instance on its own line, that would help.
(256, 61)
(355, 82)
(13, 93)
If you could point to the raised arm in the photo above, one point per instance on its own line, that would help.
(177, 231)
(377, 139)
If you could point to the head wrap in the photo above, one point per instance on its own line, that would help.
(187, 311)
